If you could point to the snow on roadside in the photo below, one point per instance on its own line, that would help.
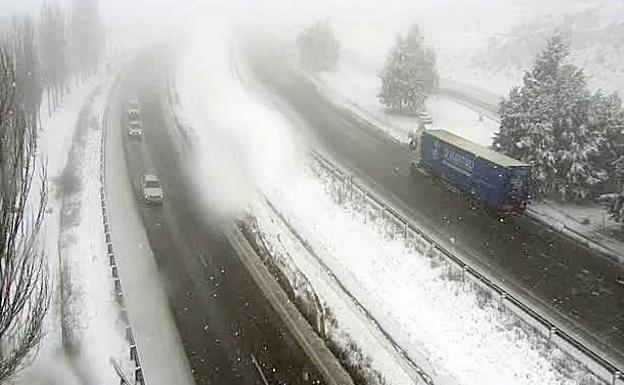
(55, 139)
(462, 337)
(356, 87)
(74, 241)
(95, 329)
(343, 322)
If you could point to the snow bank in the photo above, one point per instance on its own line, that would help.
(461, 334)
(94, 330)
(344, 323)
(75, 247)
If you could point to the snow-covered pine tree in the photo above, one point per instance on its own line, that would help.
(616, 208)
(607, 116)
(409, 74)
(546, 123)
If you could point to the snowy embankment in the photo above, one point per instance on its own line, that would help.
(350, 331)
(356, 87)
(410, 294)
(83, 330)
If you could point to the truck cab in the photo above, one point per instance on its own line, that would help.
(414, 145)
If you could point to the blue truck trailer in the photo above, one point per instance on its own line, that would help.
(501, 182)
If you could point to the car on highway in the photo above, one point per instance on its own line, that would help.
(133, 110)
(133, 105)
(151, 190)
(134, 130)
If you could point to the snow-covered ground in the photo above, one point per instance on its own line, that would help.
(345, 323)
(73, 236)
(410, 295)
(356, 87)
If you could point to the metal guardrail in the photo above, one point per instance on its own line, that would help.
(134, 354)
(598, 365)
(423, 375)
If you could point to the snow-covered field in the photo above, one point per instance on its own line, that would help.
(83, 302)
(356, 87)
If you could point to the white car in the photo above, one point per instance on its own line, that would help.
(134, 111)
(134, 130)
(133, 105)
(151, 190)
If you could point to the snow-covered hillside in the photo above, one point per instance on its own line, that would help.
(594, 32)
(488, 44)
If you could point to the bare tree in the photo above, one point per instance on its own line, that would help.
(21, 40)
(87, 37)
(24, 284)
(54, 54)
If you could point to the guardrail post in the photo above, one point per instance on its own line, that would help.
(133, 354)
(616, 376)
(552, 332)
(138, 376)
(405, 232)
(501, 301)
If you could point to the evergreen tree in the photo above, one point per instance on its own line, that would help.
(318, 48)
(606, 115)
(409, 74)
(546, 123)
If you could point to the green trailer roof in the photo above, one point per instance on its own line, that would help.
(480, 151)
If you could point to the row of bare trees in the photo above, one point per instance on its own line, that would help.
(24, 284)
(38, 60)
(71, 46)
(54, 49)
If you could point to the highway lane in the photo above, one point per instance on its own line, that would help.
(221, 314)
(576, 285)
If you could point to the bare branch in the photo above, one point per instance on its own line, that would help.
(24, 281)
